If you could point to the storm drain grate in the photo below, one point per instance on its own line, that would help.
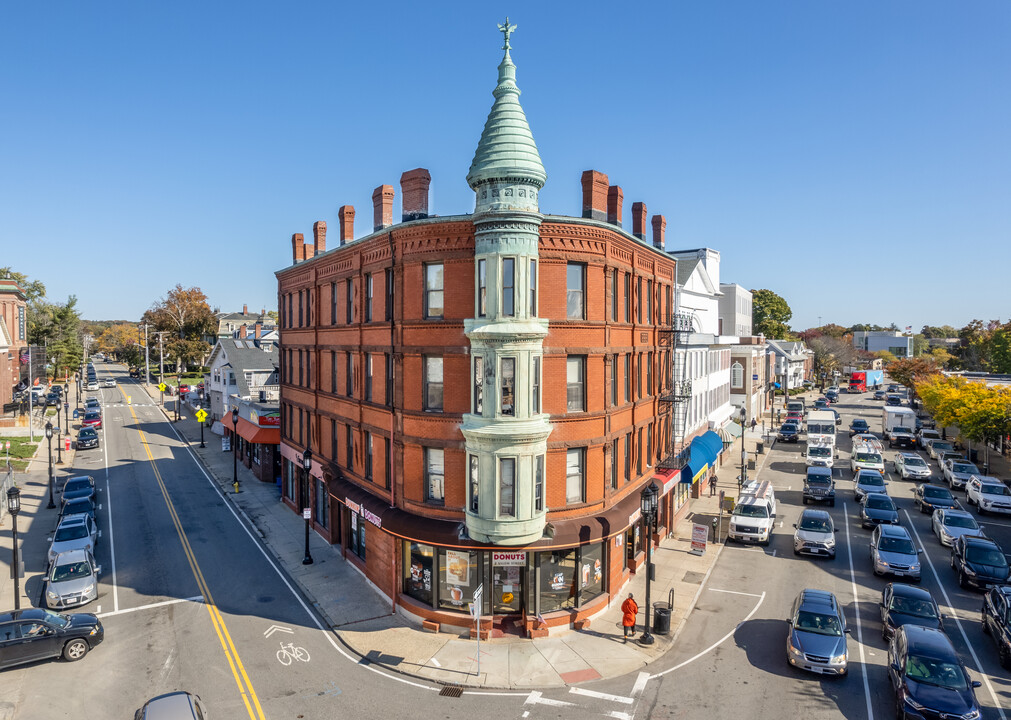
(451, 691)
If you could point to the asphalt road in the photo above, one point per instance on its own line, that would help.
(191, 601)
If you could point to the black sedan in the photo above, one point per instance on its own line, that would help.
(997, 621)
(979, 562)
(907, 605)
(878, 509)
(832, 396)
(859, 425)
(789, 432)
(87, 437)
(32, 635)
(931, 497)
(52, 399)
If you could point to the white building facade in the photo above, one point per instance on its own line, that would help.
(897, 343)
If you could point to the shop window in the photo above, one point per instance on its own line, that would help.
(508, 376)
(575, 287)
(570, 578)
(591, 572)
(419, 571)
(435, 475)
(322, 507)
(633, 541)
(289, 476)
(508, 287)
(459, 576)
(433, 291)
(507, 487)
(356, 539)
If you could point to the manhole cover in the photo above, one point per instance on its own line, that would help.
(451, 691)
(693, 577)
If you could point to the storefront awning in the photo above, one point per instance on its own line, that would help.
(728, 433)
(258, 435)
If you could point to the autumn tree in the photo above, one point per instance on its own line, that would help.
(770, 314)
(887, 357)
(185, 314)
(122, 341)
(910, 371)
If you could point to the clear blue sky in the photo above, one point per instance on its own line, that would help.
(852, 156)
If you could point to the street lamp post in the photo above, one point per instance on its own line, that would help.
(648, 502)
(742, 481)
(235, 450)
(49, 437)
(60, 431)
(14, 507)
(307, 467)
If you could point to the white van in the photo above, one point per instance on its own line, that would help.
(754, 514)
(867, 456)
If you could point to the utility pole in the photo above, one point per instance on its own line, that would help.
(161, 361)
(147, 357)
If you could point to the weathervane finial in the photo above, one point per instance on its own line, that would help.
(506, 30)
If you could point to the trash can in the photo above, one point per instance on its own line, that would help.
(760, 447)
(751, 464)
(661, 618)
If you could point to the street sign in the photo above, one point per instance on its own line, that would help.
(306, 514)
(201, 415)
(478, 594)
(162, 386)
(66, 406)
(77, 414)
(8, 444)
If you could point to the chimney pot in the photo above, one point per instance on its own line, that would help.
(245, 309)
(297, 248)
(659, 230)
(614, 198)
(414, 191)
(639, 220)
(319, 236)
(594, 195)
(346, 213)
(382, 207)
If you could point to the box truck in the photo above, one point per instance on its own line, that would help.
(864, 380)
(898, 426)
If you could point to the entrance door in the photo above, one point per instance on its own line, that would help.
(507, 589)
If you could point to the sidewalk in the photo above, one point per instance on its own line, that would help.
(361, 617)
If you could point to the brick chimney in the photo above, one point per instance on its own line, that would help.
(242, 332)
(382, 207)
(310, 251)
(614, 198)
(257, 330)
(414, 192)
(346, 213)
(659, 230)
(639, 220)
(297, 248)
(594, 195)
(245, 309)
(319, 236)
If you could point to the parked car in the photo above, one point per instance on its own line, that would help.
(859, 425)
(92, 418)
(910, 465)
(936, 447)
(929, 498)
(31, 635)
(184, 388)
(52, 399)
(81, 486)
(788, 432)
(957, 472)
(988, 494)
(109, 382)
(878, 509)
(92, 384)
(76, 532)
(927, 676)
(949, 525)
(879, 395)
(72, 580)
(816, 640)
(893, 552)
(815, 534)
(92, 403)
(925, 435)
(172, 706)
(868, 481)
(979, 562)
(903, 604)
(80, 506)
(87, 437)
(996, 621)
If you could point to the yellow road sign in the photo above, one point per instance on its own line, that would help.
(162, 386)
(201, 415)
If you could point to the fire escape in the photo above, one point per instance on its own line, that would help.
(676, 389)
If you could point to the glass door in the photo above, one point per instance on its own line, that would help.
(507, 587)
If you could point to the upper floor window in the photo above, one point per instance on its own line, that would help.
(433, 384)
(507, 487)
(535, 386)
(389, 379)
(575, 383)
(435, 475)
(575, 287)
(649, 302)
(628, 377)
(475, 483)
(333, 303)
(538, 483)
(737, 375)
(614, 295)
(482, 288)
(368, 377)
(433, 291)
(628, 297)
(478, 384)
(508, 374)
(348, 373)
(301, 316)
(348, 292)
(367, 446)
(508, 287)
(389, 294)
(368, 298)
(638, 300)
(614, 380)
(614, 464)
(575, 463)
(533, 288)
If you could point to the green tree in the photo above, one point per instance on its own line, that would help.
(34, 289)
(1000, 349)
(184, 312)
(975, 348)
(770, 314)
(920, 345)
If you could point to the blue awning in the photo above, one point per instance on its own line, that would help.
(704, 451)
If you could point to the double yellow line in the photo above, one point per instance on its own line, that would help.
(238, 671)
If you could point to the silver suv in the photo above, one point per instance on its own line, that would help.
(893, 552)
(816, 640)
(815, 534)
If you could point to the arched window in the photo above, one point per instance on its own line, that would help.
(737, 375)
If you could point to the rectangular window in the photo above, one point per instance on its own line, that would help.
(649, 445)
(575, 459)
(539, 483)
(475, 484)
(356, 540)
(638, 300)
(419, 570)
(333, 303)
(628, 457)
(368, 377)
(478, 384)
(508, 287)
(507, 487)
(334, 442)
(535, 386)
(614, 380)
(649, 373)
(614, 464)
(322, 505)
(388, 309)
(433, 384)
(649, 302)
(368, 298)
(301, 369)
(301, 316)
(435, 476)
(628, 298)
(638, 376)
(333, 371)
(482, 288)
(614, 295)
(367, 446)
(348, 292)
(575, 386)
(433, 291)
(533, 288)
(628, 377)
(389, 379)
(508, 375)
(348, 373)
(349, 449)
(638, 454)
(575, 285)
(289, 324)
(387, 463)
(670, 308)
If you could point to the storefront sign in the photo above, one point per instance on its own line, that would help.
(700, 474)
(364, 512)
(267, 419)
(506, 559)
(700, 535)
(669, 485)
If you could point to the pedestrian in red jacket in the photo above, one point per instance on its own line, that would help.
(629, 610)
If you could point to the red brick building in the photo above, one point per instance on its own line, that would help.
(14, 316)
(481, 393)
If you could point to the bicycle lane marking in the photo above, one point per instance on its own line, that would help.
(242, 681)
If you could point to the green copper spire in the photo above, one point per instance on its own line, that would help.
(507, 150)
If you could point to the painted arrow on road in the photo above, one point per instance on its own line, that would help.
(277, 628)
